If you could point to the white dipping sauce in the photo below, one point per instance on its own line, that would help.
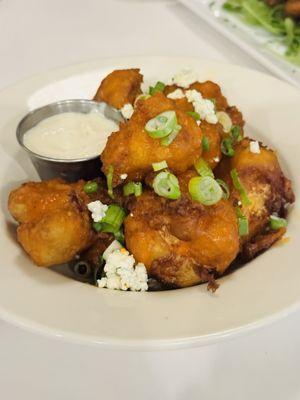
(70, 135)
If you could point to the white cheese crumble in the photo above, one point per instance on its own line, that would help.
(185, 78)
(176, 94)
(123, 176)
(254, 147)
(98, 210)
(204, 107)
(216, 159)
(127, 111)
(225, 120)
(122, 273)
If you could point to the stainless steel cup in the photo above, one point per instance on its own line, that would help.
(73, 169)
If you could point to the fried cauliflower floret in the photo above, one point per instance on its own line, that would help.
(132, 151)
(213, 132)
(55, 223)
(182, 242)
(267, 188)
(120, 87)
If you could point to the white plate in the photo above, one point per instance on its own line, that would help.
(46, 301)
(253, 40)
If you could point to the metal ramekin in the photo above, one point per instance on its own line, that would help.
(73, 169)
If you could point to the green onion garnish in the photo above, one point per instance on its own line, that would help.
(203, 169)
(109, 180)
(119, 236)
(161, 125)
(226, 147)
(277, 223)
(205, 143)
(243, 224)
(194, 115)
(166, 185)
(169, 139)
(240, 187)
(90, 187)
(159, 165)
(135, 188)
(225, 188)
(235, 133)
(112, 221)
(205, 190)
(159, 87)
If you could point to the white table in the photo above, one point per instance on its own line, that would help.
(36, 35)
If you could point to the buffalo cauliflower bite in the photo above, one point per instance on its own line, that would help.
(120, 87)
(132, 151)
(55, 223)
(181, 242)
(267, 189)
(214, 132)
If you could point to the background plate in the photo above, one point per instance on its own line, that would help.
(253, 40)
(46, 301)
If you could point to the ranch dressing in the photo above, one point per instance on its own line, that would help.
(70, 135)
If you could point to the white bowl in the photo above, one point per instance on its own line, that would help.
(46, 301)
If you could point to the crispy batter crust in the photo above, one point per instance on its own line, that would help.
(120, 87)
(132, 151)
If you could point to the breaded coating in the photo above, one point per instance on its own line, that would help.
(132, 151)
(55, 224)
(267, 188)
(120, 87)
(182, 242)
(292, 8)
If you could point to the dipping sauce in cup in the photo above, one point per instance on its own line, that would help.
(65, 139)
(70, 135)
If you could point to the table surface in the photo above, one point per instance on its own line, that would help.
(38, 35)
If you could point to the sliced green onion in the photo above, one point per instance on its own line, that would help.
(236, 133)
(166, 185)
(112, 221)
(169, 139)
(159, 87)
(240, 187)
(203, 169)
(225, 188)
(226, 147)
(90, 187)
(194, 115)
(119, 236)
(205, 143)
(109, 180)
(135, 188)
(243, 223)
(277, 223)
(97, 226)
(205, 190)
(161, 125)
(159, 165)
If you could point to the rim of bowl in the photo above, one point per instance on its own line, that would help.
(53, 159)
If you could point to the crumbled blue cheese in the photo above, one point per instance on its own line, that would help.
(123, 176)
(254, 147)
(185, 78)
(98, 210)
(204, 107)
(127, 111)
(225, 120)
(176, 94)
(121, 273)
